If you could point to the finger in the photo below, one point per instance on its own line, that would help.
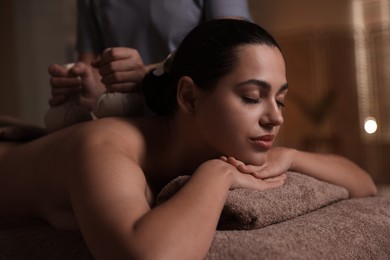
(266, 172)
(123, 87)
(57, 70)
(233, 161)
(248, 168)
(243, 168)
(277, 178)
(118, 53)
(56, 101)
(80, 69)
(261, 185)
(120, 65)
(223, 158)
(65, 82)
(65, 91)
(96, 63)
(123, 76)
(273, 184)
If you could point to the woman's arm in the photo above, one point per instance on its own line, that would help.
(327, 167)
(334, 169)
(108, 195)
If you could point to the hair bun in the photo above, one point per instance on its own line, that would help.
(156, 84)
(155, 87)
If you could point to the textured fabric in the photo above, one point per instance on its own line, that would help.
(119, 104)
(66, 114)
(250, 209)
(153, 27)
(349, 229)
(35, 240)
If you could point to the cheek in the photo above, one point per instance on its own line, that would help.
(225, 116)
(226, 127)
(217, 124)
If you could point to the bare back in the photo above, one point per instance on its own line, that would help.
(36, 177)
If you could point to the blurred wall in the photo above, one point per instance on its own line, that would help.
(34, 34)
(9, 101)
(338, 57)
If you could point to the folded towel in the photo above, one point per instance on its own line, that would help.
(350, 229)
(249, 209)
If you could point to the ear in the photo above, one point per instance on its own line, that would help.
(186, 95)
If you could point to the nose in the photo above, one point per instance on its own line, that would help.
(272, 116)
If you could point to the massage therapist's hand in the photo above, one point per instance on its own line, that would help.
(241, 180)
(278, 160)
(71, 80)
(122, 69)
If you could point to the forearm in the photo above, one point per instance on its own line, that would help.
(334, 169)
(184, 226)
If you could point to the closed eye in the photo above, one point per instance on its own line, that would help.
(248, 100)
(280, 104)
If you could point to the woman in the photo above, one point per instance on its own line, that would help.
(220, 109)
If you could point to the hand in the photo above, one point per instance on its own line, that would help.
(242, 180)
(73, 80)
(63, 83)
(122, 69)
(278, 160)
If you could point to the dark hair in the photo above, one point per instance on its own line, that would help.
(206, 54)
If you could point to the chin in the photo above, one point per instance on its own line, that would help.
(253, 158)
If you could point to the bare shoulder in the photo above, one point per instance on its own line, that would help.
(107, 185)
(113, 130)
(110, 146)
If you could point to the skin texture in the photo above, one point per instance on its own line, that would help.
(104, 178)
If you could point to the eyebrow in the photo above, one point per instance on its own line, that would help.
(262, 85)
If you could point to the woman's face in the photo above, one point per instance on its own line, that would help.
(242, 115)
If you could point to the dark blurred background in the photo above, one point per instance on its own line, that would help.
(338, 67)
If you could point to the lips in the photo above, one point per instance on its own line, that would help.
(263, 142)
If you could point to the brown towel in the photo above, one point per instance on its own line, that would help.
(349, 230)
(250, 209)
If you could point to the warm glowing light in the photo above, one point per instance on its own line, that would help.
(370, 125)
